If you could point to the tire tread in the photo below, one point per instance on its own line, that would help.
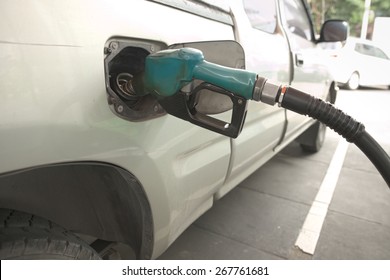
(25, 236)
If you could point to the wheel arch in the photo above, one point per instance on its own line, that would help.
(352, 86)
(93, 198)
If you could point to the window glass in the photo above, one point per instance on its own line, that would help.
(370, 50)
(297, 19)
(365, 49)
(360, 48)
(261, 14)
(379, 53)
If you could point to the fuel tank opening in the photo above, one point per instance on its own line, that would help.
(124, 59)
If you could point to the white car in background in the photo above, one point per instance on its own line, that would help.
(359, 63)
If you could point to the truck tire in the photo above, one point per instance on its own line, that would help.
(25, 236)
(314, 138)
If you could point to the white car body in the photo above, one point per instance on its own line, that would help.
(360, 63)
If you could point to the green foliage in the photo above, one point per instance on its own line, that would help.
(381, 8)
(349, 10)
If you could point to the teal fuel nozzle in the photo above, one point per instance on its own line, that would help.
(167, 72)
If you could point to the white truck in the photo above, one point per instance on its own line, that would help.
(88, 172)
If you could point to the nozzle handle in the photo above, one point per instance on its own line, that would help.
(184, 106)
(236, 81)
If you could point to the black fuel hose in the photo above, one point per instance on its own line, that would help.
(352, 130)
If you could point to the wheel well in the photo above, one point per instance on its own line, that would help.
(96, 199)
(355, 72)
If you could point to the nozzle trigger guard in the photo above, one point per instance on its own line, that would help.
(183, 105)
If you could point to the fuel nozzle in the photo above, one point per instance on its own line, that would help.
(168, 72)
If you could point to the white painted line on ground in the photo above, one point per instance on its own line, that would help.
(311, 229)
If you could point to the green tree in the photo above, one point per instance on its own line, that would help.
(381, 8)
(349, 10)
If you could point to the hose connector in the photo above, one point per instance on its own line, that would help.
(266, 91)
